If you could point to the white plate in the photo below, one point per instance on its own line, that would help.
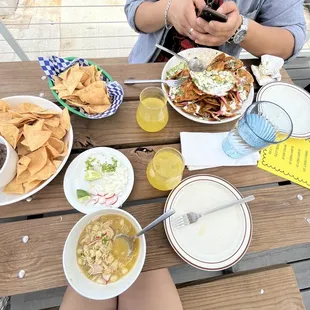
(74, 179)
(218, 240)
(6, 199)
(294, 100)
(207, 55)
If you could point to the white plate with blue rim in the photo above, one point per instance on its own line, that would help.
(294, 100)
(98, 178)
(218, 240)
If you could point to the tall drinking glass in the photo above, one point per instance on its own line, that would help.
(152, 112)
(264, 123)
(165, 170)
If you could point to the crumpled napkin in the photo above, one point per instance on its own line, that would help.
(269, 69)
(204, 150)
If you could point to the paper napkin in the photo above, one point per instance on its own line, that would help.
(204, 150)
(269, 69)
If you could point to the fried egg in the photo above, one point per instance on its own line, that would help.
(217, 83)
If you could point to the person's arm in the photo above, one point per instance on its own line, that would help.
(279, 30)
(149, 16)
(262, 40)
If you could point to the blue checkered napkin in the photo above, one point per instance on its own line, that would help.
(55, 65)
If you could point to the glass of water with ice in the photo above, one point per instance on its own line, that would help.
(264, 123)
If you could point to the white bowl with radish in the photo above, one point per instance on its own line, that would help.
(98, 178)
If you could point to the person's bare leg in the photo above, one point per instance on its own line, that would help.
(73, 301)
(153, 290)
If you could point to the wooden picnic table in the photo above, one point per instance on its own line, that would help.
(281, 214)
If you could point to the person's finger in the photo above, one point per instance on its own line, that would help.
(199, 4)
(207, 39)
(190, 16)
(233, 22)
(227, 7)
(204, 25)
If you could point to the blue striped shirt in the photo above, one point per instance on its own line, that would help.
(287, 14)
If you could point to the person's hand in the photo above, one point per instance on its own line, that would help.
(182, 16)
(217, 33)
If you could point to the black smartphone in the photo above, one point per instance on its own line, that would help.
(209, 14)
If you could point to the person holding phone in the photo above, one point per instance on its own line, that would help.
(259, 26)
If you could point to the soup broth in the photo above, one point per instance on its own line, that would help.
(101, 258)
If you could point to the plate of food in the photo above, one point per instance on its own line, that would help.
(98, 178)
(41, 136)
(220, 94)
(111, 271)
(82, 86)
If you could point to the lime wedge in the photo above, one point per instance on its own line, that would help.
(82, 195)
(92, 175)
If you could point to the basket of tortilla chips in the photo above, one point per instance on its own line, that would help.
(82, 86)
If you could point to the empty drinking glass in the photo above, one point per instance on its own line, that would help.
(264, 123)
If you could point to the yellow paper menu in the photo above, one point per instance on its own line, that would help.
(289, 160)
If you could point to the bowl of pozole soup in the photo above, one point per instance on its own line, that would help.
(98, 266)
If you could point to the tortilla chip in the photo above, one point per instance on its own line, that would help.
(91, 71)
(65, 151)
(77, 102)
(46, 172)
(59, 88)
(52, 152)
(57, 163)
(53, 121)
(38, 160)
(65, 119)
(73, 80)
(4, 106)
(95, 94)
(22, 149)
(95, 109)
(30, 186)
(57, 80)
(57, 132)
(27, 107)
(38, 125)
(56, 144)
(14, 188)
(10, 133)
(4, 117)
(35, 138)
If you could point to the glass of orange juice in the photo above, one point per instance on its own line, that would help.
(152, 113)
(165, 170)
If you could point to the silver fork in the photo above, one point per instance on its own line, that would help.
(193, 217)
(170, 83)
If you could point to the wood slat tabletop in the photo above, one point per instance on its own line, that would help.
(24, 78)
(279, 220)
(52, 198)
(274, 289)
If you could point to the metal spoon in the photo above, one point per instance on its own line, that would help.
(130, 240)
(195, 64)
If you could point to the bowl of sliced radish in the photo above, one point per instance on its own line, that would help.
(98, 178)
